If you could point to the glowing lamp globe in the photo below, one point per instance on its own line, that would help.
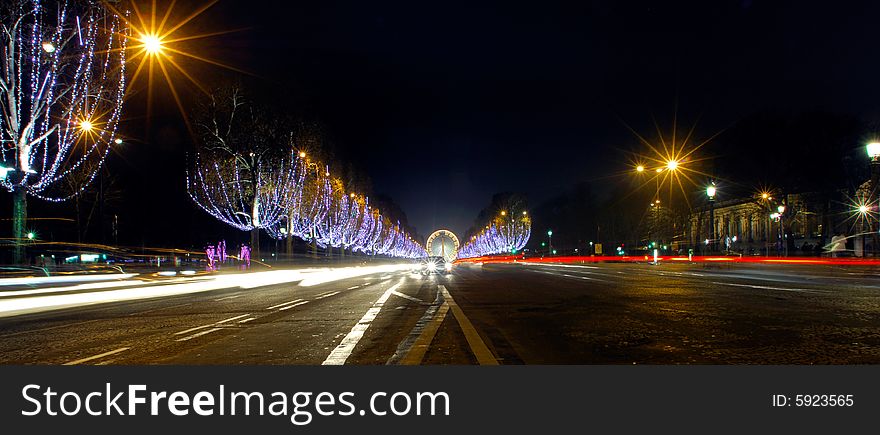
(152, 44)
(873, 150)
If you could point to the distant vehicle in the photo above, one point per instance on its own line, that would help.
(434, 264)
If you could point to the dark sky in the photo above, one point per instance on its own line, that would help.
(445, 103)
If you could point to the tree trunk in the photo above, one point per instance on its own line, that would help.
(78, 219)
(289, 247)
(19, 222)
(255, 244)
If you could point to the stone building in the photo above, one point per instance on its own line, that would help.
(752, 226)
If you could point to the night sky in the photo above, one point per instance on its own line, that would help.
(445, 103)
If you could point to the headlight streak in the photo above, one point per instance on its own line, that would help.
(39, 301)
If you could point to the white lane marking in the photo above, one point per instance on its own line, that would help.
(322, 294)
(584, 277)
(247, 320)
(211, 324)
(764, 287)
(346, 346)
(227, 298)
(352, 288)
(293, 306)
(397, 293)
(198, 334)
(100, 355)
(283, 304)
(327, 295)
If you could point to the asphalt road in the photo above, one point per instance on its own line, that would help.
(479, 314)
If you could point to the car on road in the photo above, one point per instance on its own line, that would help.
(432, 265)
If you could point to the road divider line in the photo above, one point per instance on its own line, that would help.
(327, 295)
(342, 351)
(247, 320)
(478, 346)
(100, 355)
(352, 288)
(283, 304)
(293, 306)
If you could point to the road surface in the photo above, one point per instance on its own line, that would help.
(479, 314)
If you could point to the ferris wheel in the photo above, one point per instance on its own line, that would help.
(442, 243)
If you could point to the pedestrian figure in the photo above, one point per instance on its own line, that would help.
(245, 256)
(209, 254)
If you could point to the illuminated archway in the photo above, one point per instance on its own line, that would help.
(442, 249)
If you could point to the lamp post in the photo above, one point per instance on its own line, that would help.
(711, 190)
(781, 210)
(550, 241)
(873, 150)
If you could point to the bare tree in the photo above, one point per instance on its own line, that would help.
(62, 81)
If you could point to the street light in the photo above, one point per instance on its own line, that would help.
(672, 165)
(873, 150)
(86, 125)
(48, 47)
(152, 44)
(711, 190)
(640, 168)
(503, 213)
(550, 240)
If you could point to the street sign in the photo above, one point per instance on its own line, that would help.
(598, 248)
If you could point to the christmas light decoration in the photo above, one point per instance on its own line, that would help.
(506, 234)
(62, 82)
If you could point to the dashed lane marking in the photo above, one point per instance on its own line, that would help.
(283, 304)
(198, 334)
(285, 308)
(327, 295)
(98, 356)
(210, 324)
(405, 296)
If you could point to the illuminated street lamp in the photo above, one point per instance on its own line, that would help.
(711, 190)
(503, 213)
(48, 47)
(550, 241)
(640, 168)
(873, 150)
(672, 165)
(152, 44)
(781, 219)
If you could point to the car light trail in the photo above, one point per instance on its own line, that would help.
(34, 301)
